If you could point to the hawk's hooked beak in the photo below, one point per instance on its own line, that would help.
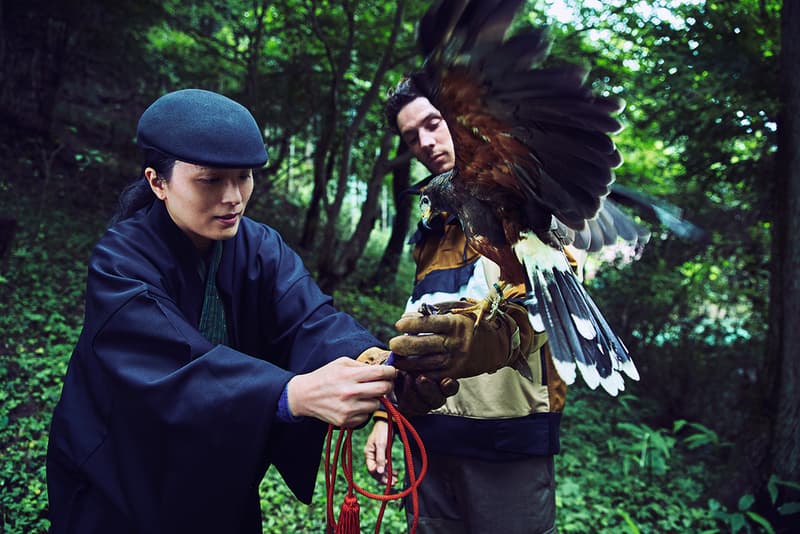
(425, 210)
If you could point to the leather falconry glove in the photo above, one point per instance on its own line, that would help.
(417, 394)
(444, 341)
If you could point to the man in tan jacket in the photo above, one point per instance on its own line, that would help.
(491, 445)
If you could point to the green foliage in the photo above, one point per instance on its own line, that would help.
(743, 518)
(702, 436)
(43, 309)
(649, 452)
(773, 487)
(614, 476)
(371, 309)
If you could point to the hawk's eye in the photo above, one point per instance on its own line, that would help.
(424, 201)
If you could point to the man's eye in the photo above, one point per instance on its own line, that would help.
(208, 180)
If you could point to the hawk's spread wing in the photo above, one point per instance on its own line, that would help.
(535, 131)
(533, 156)
(534, 171)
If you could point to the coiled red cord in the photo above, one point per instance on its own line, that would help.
(348, 518)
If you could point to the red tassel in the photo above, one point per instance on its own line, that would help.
(348, 517)
(349, 522)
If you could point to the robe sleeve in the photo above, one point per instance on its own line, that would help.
(188, 424)
(305, 332)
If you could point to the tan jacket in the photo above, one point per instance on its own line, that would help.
(504, 393)
(501, 404)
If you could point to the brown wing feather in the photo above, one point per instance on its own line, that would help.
(537, 133)
(484, 147)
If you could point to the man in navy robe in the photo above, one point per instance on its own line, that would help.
(207, 353)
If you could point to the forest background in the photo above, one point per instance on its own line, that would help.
(706, 442)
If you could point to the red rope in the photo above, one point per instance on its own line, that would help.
(348, 518)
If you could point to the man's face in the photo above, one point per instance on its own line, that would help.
(206, 203)
(427, 135)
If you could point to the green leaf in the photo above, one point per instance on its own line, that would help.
(714, 505)
(629, 521)
(660, 443)
(745, 502)
(772, 488)
(738, 522)
(761, 521)
(793, 485)
(677, 425)
(789, 508)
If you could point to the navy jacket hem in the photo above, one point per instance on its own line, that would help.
(491, 439)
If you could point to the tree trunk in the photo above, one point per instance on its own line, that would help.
(311, 223)
(771, 444)
(36, 47)
(253, 55)
(785, 309)
(327, 146)
(778, 450)
(342, 261)
(401, 180)
(334, 263)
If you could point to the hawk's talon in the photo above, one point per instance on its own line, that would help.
(491, 304)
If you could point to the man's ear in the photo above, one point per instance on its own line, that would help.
(157, 184)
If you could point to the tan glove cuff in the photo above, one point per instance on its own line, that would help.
(507, 331)
(524, 332)
(373, 356)
(515, 342)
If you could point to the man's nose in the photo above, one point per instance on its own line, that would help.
(232, 193)
(427, 139)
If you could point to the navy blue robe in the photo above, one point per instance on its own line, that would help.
(157, 430)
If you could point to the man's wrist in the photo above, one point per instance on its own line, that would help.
(380, 415)
(284, 411)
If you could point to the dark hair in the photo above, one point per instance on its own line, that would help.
(410, 88)
(138, 194)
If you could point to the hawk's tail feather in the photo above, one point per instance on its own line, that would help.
(609, 226)
(578, 334)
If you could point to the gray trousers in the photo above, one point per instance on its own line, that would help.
(468, 496)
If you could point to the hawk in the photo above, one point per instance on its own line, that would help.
(533, 173)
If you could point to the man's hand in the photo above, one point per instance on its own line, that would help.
(343, 393)
(447, 344)
(375, 453)
(416, 395)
